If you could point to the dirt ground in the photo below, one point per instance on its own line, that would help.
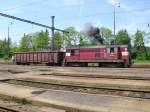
(22, 105)
(26, 107)
(10, 71)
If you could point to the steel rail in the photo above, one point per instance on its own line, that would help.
(6, 109)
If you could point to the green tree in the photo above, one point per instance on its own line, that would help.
(58, 40)
(5, 48)
(93, 42)
(15, 47)
(1, 45)
(72, 38)
(147, 40)
(122, 38)
(83, 39)
(106, 34)
(25, 43)
(40, 41)
(139, 46)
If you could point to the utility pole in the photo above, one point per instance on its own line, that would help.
(52, 29)
(115, 18)
(114, 21)
(118, 5)
(8, 38)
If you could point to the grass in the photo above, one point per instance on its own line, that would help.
(15, 99)
(5, 60)
(141, 61)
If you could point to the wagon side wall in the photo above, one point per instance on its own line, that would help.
(39, 57)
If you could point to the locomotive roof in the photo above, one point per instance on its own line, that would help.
(102, 46)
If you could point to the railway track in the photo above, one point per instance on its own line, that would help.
(141, 66)
(133, 66)
(6, 109)
(76, 88)
(97, 76)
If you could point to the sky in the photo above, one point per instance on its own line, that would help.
(131, 15)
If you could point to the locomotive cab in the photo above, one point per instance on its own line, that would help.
(119, 54)
(126, 57)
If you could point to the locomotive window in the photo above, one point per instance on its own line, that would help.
(72, 52)
(112, 50)
(77, 52)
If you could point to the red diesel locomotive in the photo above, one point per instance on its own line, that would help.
(81, 56)
(104, 55)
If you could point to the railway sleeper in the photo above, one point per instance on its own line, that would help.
(77, 88)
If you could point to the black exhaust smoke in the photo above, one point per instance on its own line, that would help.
(92, 31)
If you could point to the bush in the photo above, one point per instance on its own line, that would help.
(142, 56)
(133, 54)
(148, 57)
(6, 57)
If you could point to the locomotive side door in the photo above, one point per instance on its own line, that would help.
(119, 53)
(105, 53)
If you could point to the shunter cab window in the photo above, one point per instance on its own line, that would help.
(112, 50)
(72, 52)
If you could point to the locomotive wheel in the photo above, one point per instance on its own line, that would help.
(84, 64)
(99, 64)
(27, 63)
(18, 63)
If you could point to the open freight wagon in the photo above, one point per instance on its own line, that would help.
(48, 58)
